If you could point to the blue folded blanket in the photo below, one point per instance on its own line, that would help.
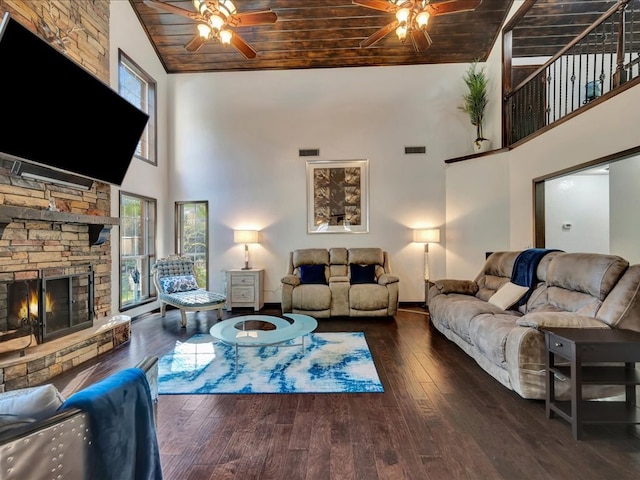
(123, 435)
(524, 270)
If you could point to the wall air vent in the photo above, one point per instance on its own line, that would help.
(44, 174)
(309, 152)
(415, 150)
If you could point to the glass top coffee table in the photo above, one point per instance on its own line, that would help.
(263, 330)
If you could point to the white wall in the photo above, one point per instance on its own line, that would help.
(577, 213)
(142, 178)
(624, 194)
(605, 129)
(235, 143)
(477, 213)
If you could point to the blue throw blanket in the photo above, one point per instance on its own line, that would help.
(124, 445)
(524, 270)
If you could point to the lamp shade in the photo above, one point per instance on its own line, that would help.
(426, 235)
(245, 236)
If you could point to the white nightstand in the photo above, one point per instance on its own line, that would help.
(245, 288)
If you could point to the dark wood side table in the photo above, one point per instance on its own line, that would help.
(582, 346)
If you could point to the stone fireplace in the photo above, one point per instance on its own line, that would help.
(47, 228)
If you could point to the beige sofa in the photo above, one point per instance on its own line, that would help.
(577, 290)
(334, 291)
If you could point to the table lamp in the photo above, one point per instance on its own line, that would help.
(246, 237)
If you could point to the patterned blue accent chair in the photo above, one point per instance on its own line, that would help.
(175, 281)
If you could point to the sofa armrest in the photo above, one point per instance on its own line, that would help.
(387, 278)
(338, 279)
(292, 280)
(539, 320)
(465, 287)
(66, 433)
(150, 366)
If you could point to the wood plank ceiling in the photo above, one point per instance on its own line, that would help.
(327, 33)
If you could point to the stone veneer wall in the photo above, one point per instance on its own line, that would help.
(80, 29)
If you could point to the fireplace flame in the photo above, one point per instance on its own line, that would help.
(30, 309)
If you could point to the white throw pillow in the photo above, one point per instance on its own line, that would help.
(507, 295)
(34, 402)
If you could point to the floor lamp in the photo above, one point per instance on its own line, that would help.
(426, 236)
(246, 237)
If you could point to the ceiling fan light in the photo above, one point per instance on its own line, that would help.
(204, 30)
(216, 21)
(422, 19)
(200, 6)
(227, 7)
(402, 15)
(401, 31)
(225, 36)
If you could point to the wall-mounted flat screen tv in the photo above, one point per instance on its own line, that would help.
(57, 114)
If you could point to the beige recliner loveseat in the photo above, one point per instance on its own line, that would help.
(354, 282)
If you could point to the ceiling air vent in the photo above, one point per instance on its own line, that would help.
(309, 152)
(415, 150)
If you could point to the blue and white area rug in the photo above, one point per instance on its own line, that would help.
(332, 362)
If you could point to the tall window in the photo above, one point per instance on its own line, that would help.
(139, 89)
(137, 249)
(192, 236)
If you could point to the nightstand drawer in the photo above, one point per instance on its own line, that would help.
(560, 346)
(243, 294)
(243, 279)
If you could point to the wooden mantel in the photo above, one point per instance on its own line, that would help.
(99, 226)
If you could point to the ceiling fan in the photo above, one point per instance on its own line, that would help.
(215, 17)
(412, 18)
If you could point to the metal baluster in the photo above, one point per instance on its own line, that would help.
(604, 54)
(573, 80)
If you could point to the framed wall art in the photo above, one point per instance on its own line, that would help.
(337, 196)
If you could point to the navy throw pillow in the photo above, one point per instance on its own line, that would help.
(362, 273)
(312, 274)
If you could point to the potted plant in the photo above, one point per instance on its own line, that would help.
(475, 101)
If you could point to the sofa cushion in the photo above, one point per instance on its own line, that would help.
(366, 256)
(540, 320)
(590, 273)
(312, 274)
(310, 256)
(508, 295)
(9, 422)
(456, 312)
(362, 273)
(368, 296)
(33, 402)
(312, 297)
(489, 334)
(621, 309)
(179, 283)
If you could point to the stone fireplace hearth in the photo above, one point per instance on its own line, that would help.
(45, 361)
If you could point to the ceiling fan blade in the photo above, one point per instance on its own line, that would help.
(421, 40)
(452, 6)
(379, 35)
(171, 9)
(195, 43)
(243, 47)
(381, 5)
(247, 19)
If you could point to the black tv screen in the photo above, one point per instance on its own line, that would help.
(57, 114)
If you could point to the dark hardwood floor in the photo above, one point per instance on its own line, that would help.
(440, 417)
